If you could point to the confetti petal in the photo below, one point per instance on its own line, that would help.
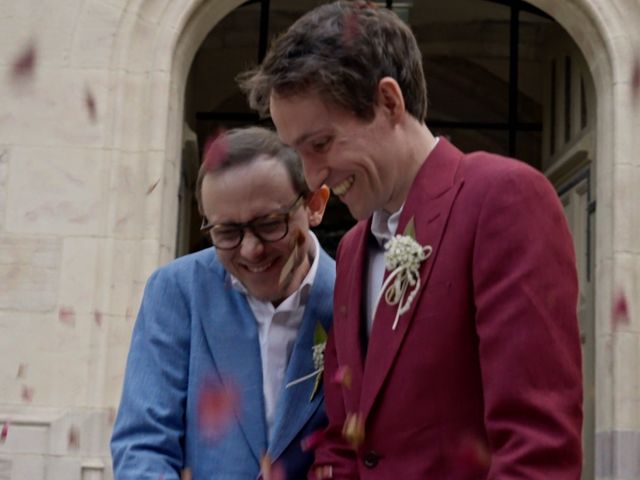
(97, 317)
(620, 313)
(22, 370)
(215, 150)
(186, 474)
(67, 316)
(353, 430)
(4, 432)
(216, 408)
(312, 441)
(635, 79)
(73, 438)
(323, 472)
(472, 455)
(271, 471)
(24, 64)
(90, 104)
(27, 394)
(343, 376)
(153, 187)
(288, 266)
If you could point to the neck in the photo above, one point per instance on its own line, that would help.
(418, 145)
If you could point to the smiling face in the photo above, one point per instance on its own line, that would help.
(252, 190)
(355, 158)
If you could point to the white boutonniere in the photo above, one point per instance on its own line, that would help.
(403, 258)
(317, 354)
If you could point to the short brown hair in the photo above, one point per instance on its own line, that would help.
(341, 50)
(242, 146)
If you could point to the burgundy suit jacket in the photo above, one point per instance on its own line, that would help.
(482, 377)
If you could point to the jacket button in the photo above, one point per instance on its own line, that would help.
(370, 459)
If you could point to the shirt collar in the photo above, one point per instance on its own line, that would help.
(298, 298)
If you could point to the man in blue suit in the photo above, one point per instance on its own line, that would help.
(246, 316)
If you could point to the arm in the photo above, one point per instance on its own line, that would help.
(333, 451)
(525, 290)
(148, 435)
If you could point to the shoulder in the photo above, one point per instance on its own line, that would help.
(188, 268)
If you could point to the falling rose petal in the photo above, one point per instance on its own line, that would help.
(312, 441)
(153, 187)
(216, 407)
(271, 471)
(343, 376)
(22, 370)
(67, 316)
(620, 314)
(323, 472)
(4, 432)
(97, 317)
(90, 104)
(27, 394)
(353, 430)
(186, 474)
(73, 438)
(24, 64)
(288, 266)
(215, 150)
(471, 456)
(635, 79)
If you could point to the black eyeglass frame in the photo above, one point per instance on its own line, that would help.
(241, 227)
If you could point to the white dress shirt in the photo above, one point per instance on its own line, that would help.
(383, 228)
(277, 332)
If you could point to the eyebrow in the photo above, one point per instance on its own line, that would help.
(306, 136)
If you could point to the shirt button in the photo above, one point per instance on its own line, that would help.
(370, 459)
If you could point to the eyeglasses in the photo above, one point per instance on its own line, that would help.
(268, 228)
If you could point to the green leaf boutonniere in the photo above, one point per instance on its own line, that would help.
(403, 258)
(317, 352)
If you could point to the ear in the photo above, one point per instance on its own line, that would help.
(317, 204)
(390, 98)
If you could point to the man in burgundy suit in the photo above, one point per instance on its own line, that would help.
(461, 360)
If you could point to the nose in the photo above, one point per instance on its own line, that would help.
(251, 247)
(315, 172)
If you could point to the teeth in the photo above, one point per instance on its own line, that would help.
(258, 269)
(343, 187)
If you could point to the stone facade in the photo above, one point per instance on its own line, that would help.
(90, 149)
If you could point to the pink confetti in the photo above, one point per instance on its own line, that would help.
(27, 394)
(4, 432)
(97, 317)
(67, 315)
(24, 64)
(472, 455)
(90, 104)
(215, 150)
(343, 376)
(73, 438)
(620, 313)
(216, 404)
(312, 441)
(186, 474)
(153, 187)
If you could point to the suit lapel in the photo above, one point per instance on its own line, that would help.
(347, 322)
(232, 334)
(295, 406)
(428, 204)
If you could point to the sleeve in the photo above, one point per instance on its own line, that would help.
(148, 436)
(334, 458)
(525, 292)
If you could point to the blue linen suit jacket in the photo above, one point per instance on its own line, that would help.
(192, 327)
